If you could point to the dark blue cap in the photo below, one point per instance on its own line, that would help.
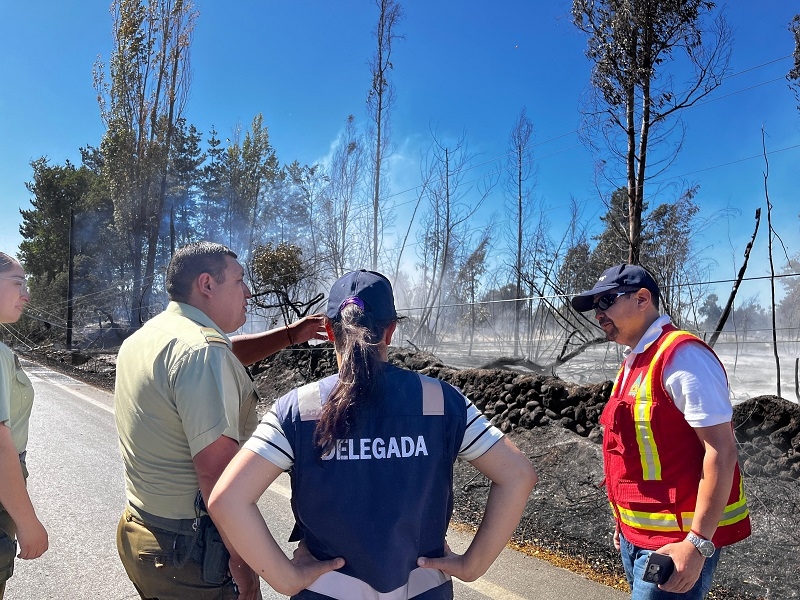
(369, 288)
(617, 278)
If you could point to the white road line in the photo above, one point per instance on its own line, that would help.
(280, 488)
(490, 590)
(84, 397)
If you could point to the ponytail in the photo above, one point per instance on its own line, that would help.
(357, 338)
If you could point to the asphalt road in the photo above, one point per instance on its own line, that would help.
(77, 487)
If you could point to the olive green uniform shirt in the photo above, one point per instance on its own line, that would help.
(16, 398)
(178, 389)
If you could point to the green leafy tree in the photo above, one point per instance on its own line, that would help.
(281, 279)
(636, 102)
(183, 189)
(711, 311)
(668, 248)
(286, 215)
(612, 243)
(467, 288)
(212, 187)
(249, 170)
(669, 253)
(576, 274)
(60, 192)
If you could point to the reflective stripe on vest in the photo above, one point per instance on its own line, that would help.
(733, 513)
(309, 403)
(432, 396)
(644, 520)
(344, 587)
(643, 415)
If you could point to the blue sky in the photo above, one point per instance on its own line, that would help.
(465, 67)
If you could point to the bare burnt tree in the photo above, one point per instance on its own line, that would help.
(342, 203)
(379, 104)
(445, 230)
(794, 74)
(520, 173)
(310, 184)
(635, 102)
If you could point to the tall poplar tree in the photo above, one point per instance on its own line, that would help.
(141, 99)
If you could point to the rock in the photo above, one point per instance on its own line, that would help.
(752, 468)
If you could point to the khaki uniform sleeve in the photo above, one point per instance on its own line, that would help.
(6, 381)
(248, 418)
(207, 397)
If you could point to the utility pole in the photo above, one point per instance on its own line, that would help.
(69, 277)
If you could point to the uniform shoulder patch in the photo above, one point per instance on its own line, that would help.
(213, 336)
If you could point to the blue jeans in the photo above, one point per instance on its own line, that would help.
(634, 559)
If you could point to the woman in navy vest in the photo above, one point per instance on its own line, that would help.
(370, 453)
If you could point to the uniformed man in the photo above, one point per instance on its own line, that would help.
(183, 403)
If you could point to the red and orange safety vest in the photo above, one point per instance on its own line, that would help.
(653, 459)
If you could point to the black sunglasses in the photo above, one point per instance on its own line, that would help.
(606, 301)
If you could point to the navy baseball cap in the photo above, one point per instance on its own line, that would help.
(617, 278)
(368, 289)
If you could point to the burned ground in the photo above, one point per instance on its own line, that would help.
(567, 519)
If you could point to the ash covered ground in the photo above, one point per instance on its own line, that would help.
(567, 519)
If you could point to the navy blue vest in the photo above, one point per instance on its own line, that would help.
(384, 497)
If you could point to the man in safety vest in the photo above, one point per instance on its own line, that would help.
(670, 458)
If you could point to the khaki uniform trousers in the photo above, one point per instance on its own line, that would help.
(8, 548)
(8, 540)
(149, 554)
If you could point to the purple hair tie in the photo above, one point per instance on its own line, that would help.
(352, 300)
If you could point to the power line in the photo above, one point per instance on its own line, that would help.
(585, 127)
(567, 296)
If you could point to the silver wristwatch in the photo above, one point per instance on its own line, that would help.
(704, 546)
